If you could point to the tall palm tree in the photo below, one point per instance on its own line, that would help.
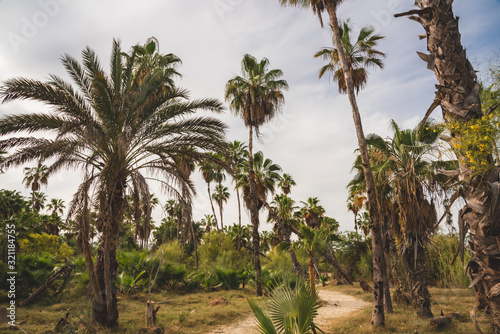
(256, 97)
(265, 176)
(236, 153)
(115, 127)
(330, 6)
(207, 168)
(221, 195)
(286, 183)
(359, 56)
(35, 177)
(460, 102)
(56, 206)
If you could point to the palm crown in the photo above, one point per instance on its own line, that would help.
(359, 56)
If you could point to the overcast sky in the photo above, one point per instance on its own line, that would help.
(314, 139)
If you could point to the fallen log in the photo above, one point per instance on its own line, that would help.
(442, 321)
(365, 286)
(35, 295)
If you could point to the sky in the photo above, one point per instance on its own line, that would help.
(313, 139)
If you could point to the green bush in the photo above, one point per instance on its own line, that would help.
(171, 275)
(443, 272)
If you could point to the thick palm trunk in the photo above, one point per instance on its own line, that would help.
(212, 205)
(417, 280)
(458, 96)
(105, 308)
(253, 203)
(378, 284)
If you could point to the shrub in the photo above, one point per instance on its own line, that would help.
(443, 272)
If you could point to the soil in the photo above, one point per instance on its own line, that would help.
(335, 305)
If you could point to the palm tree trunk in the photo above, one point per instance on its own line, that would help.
(212, 204)
(105, 309)
(458, 95)
(330, 257)
(239, 220)
(416, 270)
(254, 214)
(378, 281)
(221, 218)
(311, 273)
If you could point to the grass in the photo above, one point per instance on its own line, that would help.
(189, 313)
(183, 313)
(404, 319)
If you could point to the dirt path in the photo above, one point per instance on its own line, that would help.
(336, 305)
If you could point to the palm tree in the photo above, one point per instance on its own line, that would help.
(284, 208)
(355, 203)
(208, 221)
(114, 127)
(359, 56)
(460, 103)
(207, 168)
(221, 195)
(312, 212)
(236, 153)
(330, 6)
(57, 206)
(39, 200)
(286, 182)
(265, 175)
(34, 177)
(256, 97)
(408, 170)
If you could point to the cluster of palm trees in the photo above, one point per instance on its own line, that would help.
(134, 125)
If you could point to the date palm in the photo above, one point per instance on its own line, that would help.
(122, 129)
(330, 6)
(221, 195)
(359, 56)
(256, 97)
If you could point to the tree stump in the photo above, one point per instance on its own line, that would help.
(441, 322)
(151, 313)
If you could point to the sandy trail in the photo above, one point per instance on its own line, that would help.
(336, 305)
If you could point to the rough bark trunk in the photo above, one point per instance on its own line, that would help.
(417, 280)
(105, 308)
(254, 214)
(458, 95)
(378, 293)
